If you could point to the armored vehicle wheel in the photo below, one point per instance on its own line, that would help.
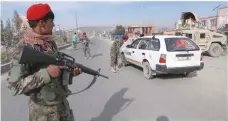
(147, 71)
(215, 50)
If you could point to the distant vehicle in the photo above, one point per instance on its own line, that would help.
(163, 54)
(210, 42)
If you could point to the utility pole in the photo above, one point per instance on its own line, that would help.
(216, 10)
(76, 23)
(141, 21)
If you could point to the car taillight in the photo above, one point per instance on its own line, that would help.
(201, 58)
(162, 58)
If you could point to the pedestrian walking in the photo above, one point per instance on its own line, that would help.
(74, 41)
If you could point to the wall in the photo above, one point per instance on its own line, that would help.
(223, 17)
(210, 21)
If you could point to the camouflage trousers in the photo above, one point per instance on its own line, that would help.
(59, 112)
(86, 50)
(115, 56)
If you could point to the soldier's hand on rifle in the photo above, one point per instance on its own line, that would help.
(55, 71)
(76, 71)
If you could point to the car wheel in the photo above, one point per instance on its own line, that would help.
(215, 50)
(124, 60)
(147, 71)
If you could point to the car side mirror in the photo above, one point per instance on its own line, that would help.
(129, 46)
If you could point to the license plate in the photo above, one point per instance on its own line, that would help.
(183, 58)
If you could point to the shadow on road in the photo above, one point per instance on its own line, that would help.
(74, 49)
(113, 106)
(162, 118)
(166, 76)
(96, 55)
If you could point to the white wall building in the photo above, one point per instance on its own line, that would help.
(211, 21)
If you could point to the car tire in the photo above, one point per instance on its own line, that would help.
(124, 60)
(215, 50)
(147, 71)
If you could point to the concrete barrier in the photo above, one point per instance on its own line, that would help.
(7, 66)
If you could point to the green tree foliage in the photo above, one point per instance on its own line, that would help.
(2, 33)
(119, 30)
(8, 33)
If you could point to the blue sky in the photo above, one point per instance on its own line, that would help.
(163, 14)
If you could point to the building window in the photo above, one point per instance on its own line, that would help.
(204, 22)
(189, 36)
(213, 22)
(202, 36)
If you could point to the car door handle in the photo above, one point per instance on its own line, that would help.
(143, 53)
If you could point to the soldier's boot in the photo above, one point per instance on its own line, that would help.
(90, 57)
(113, 69)
(118, 68)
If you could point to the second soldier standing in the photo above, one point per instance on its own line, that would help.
(115, 54)
(85, 41)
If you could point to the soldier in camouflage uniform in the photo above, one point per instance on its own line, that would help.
(48, 98)
(115, 54)
(86, 49)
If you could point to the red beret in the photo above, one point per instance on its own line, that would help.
(37, 11)
(125, 37)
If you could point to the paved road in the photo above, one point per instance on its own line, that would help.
(128, 96)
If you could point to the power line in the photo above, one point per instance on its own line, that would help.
(216, 9)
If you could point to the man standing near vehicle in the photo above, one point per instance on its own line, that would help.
(42, 83)
(115, 53)
(85, 40)
(74, 41)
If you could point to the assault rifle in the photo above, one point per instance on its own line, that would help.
(29, 55)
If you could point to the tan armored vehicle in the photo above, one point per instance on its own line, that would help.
(210, 42)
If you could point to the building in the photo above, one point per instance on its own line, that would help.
(142, 29)
(216, 22)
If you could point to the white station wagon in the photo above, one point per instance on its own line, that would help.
(163, 54)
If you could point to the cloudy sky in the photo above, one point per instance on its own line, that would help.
(163, 14)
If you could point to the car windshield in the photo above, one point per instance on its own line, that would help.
(180, 44)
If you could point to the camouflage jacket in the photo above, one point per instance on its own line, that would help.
(85, 40)
(115, 48)
(34, 80)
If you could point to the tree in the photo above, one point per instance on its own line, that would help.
(8, 33)
(2, 33)
(8, 36)
(120, 30)
(17, 27)
(17, 21)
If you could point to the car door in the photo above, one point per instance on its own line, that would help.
(139, 55)
(150, 51)
(130, 51)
